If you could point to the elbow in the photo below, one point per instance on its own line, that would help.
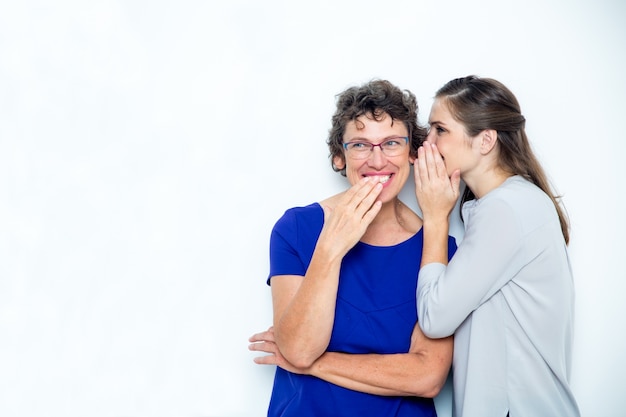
(298, 357)
(436, 333)
(300, 361)
(433, 369)
(434, 324)
(431, 394)
(301, 354)
(430, 387)
(432, 331)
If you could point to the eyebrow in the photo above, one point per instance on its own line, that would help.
(372, 140)
(436, 122)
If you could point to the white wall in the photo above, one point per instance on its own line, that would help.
(147, 148)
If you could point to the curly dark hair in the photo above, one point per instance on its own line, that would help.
(375, 99)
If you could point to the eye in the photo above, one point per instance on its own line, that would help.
(438, 129)
(392, 143)
(358, 145)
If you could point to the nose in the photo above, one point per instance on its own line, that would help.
(377, 158)
(431, 137)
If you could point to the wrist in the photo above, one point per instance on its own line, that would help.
(329, 252)
(438, 222)
(435, 249)
(315, 369)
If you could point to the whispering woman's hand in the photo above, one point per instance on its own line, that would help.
(436, 192)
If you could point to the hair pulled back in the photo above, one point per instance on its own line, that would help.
(484, 103)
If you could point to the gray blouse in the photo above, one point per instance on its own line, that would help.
(507, 295)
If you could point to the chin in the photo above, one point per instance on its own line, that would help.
(449, 171)
(388, 195)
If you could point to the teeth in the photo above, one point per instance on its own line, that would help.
(384, 179)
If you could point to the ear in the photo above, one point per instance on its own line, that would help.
(412, 160)
(488, 140)
(339, 162)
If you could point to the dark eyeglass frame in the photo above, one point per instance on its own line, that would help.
(371, 146)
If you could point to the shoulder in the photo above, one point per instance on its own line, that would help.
(331, 201)
(297, 218)
(312, 210)
(524, 198)
(517, 201)
(516, 192)
(518, 189)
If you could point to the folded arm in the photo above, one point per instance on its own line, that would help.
(421, 372)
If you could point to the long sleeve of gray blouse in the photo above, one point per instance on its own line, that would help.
(507, 294)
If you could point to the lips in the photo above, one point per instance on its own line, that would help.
(381, 178)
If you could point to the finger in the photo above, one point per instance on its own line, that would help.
(360, 197)
(357, 193)
(439, 164)
(421, 174)
(373, 211)
(263, 336)
(367, 202)
(416, 176)
(431, 160)
(266, 360)
(267, 347)
(256, 337)
(365, 182)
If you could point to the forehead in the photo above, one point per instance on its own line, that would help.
(440, 112)
(367, 127)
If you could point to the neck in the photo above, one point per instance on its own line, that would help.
(388, 223)
(485, 182)
(390, 212)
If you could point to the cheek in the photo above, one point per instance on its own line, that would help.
(448, 146)
(442, 147)
(352, 171)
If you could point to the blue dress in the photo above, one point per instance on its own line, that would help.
(375, 313)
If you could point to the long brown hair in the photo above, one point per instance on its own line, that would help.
(484, 103)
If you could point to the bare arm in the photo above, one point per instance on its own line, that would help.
(304, 308)
(421, 372)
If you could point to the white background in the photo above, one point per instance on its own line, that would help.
(148, 147)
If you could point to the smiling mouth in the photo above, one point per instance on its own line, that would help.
(382, 178)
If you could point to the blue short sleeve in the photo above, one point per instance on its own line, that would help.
(293, 239)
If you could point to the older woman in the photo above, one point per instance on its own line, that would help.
(343, 274)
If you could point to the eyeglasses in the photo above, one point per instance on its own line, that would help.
(394, 146)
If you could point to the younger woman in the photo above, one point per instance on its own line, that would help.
(507, 293)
